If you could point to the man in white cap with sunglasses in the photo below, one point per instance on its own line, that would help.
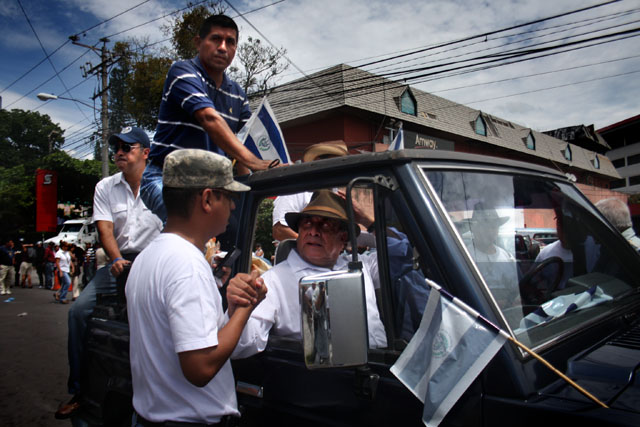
(125, 227)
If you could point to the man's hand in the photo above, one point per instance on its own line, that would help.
(363, 213)
(118, 267)
(245, 290)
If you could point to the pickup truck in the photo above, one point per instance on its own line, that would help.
(448, 208)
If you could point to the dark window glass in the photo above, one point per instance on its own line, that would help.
(618, 163)
(531, 142)
(632, 160)
(408, 103)
(481, 128)
(634, 180)
(618, 183)
(567, 153)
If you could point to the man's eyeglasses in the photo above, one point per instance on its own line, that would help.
(324, 224)
(124, 147)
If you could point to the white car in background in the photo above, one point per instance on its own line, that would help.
(76, 231)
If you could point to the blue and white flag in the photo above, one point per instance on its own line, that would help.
(262, 135)
(562, 305)
(398, 141)
(449, 350)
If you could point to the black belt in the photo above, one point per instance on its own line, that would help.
(226, 421)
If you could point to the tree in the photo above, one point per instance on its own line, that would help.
(26, 136)
(119, 117)
(261, 64)
(145, 85)
(76, 183)
(264, 235)
(186, 26)
(17, 197)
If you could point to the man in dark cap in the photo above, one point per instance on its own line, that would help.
(125, 227)
(179, 334)
(322, 235)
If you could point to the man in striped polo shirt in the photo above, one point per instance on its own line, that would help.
(200, 108)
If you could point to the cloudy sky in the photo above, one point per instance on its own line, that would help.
(597, 85)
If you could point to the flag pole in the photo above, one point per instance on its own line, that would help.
(474, 313)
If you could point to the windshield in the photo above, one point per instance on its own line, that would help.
(549, 262)
(71, 228)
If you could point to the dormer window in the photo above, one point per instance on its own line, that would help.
(480, 126)
(530, 141)
(567, 153)
(596, 162)
(408, 103)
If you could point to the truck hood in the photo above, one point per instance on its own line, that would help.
(611, 371)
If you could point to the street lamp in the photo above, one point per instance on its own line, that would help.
(49, 97)
(105, 148)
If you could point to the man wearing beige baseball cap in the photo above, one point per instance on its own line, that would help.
(180, 336)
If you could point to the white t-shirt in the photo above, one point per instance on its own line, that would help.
(64, 258)
(291, 203)
(280, 310)
(134, 225)
(174, 305)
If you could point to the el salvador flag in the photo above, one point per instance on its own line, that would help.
(398, 141)
(449, 350)
(262, 135)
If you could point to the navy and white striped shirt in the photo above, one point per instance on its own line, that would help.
(187, 89)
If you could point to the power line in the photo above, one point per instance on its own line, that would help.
(34, 67)
(534, 74)
(109, 19)
(180, 10)
(46, 81)
(519, 41)
(45, 52)
(554, 87)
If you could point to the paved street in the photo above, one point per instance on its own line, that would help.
(33, 357)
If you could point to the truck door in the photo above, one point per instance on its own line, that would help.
(277, 381)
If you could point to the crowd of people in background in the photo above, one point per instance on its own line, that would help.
(19, 260)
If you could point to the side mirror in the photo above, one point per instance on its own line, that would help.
(334, 319)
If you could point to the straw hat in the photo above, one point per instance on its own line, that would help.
(330, 148)
(324, 203)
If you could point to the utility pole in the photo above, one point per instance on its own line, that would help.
(102, 69)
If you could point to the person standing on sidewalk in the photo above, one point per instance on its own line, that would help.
(89, 264)
(65, 271)
(39, 263)
(49, 265)
(6, 267)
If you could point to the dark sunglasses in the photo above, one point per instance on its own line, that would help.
(125, 147)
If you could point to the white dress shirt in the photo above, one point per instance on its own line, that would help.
(279, 313)
(134, 225)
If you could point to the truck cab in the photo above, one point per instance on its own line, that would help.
(454, 219)
(76, 231)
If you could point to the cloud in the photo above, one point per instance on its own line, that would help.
(320, 34)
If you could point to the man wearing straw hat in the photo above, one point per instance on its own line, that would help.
(322, 235)
(295, 202)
